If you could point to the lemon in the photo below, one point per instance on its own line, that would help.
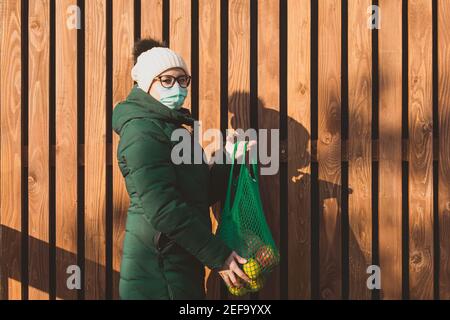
(252, 268)
(256, 284)
(238, 291)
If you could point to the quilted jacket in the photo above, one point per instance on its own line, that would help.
(168, 238)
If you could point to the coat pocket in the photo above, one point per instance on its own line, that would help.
(162, 242)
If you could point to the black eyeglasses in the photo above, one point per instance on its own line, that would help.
(168, 81)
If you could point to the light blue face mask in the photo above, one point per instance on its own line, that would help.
(173, 97)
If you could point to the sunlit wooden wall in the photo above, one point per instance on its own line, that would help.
(364, 120)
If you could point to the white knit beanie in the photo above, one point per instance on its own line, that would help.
(153, 62)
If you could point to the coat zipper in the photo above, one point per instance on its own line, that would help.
(161, 266)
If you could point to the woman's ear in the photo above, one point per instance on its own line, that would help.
(154, 93)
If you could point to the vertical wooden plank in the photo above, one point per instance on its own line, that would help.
(180, 35)
(420, 149)
(329, 148)
(2, 15)
(66, 148)
(11, 147)
(299, 151)
(268, 119)
(239, 64)
(360, 147)
(209, 100)
(444, 147)
(390, 149)
(238, 68)
(151, 19)
(123, 39)
(95, 148)
(2, 12)
(38, 149)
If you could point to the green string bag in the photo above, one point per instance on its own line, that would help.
(243, 226)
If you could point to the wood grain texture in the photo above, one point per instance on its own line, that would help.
(123, 40)
(360, 148)
(239, 64)
(38, 148)
(268, 119)
(180, 35)
(238, 69)
(390, 149)
(151, 19)
(444, 147)
(420, 149)
(209, 103)
(10, 150)
(95, 148)
(2, 15)
(329, 148)
(66, 148)
(299, 153)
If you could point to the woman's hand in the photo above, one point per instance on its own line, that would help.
(229, 146)
(230, 271)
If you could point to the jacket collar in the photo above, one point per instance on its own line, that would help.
(139, 104)
(157, 109)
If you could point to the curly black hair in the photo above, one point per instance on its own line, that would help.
(146, 44)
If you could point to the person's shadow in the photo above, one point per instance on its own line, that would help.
(299, 207)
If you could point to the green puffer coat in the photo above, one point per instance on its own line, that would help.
(168, 238)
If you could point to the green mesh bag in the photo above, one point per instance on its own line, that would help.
(243, 226)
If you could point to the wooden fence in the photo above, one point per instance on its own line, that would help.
(364, 119)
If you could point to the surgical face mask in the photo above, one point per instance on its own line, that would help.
(172, 97)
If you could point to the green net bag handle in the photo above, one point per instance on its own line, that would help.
(254, 165)
(253, 162)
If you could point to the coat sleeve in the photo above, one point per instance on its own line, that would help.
(153, 174)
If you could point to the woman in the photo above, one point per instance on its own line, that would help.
(168, 237)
